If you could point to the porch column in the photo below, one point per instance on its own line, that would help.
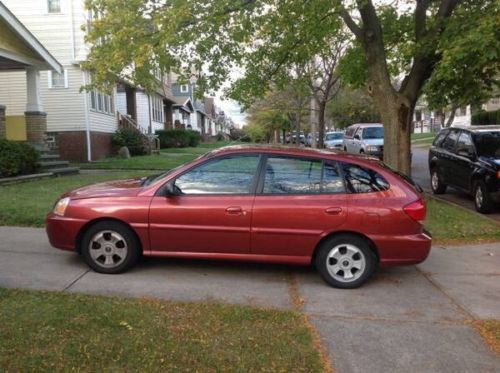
(2, 122)
(36, 118)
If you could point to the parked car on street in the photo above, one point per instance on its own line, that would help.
(468, 159)
(365, 138)
(334, 140)
(345, 214)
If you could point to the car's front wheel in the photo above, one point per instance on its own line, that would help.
(110, 247)
(482, 198)
(438, 187)
(345, 261)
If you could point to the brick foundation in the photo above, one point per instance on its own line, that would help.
(72, 146)
(36, 127)
(2, 122)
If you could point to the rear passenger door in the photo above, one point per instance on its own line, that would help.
(298, 200)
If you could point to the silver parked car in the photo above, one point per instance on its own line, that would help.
(334, 140)
(365, 138)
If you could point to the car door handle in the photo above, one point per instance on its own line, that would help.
(234, 210)
(333, 210)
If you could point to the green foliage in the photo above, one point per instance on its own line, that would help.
(17, 158)
(352, 106)
(486, 117)
(469, 68)
(178, 138)
(130, 138)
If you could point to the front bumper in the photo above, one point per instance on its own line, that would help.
(62, 231)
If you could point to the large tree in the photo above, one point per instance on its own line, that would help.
(422, 41)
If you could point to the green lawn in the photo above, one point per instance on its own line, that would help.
(422, 139)
(168, 158)
(26, 204)
(452, 224)
(49, 331)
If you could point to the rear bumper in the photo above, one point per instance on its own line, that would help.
(403, 250)
(62, 232)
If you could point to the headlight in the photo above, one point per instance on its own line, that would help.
(61, 205)
(372, 149)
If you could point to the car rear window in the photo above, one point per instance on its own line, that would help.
(363, 180)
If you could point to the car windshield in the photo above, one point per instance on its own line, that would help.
(373, 133)
(488, 144)
(334, 136)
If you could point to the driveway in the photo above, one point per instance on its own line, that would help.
(420, 173)
(411, 319)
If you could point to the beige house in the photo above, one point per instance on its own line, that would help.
(23, 54)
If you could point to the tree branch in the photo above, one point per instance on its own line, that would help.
(420, 19)
(353, 26)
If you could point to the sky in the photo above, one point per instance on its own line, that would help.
(232, 109)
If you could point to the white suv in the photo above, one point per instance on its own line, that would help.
(365, 138)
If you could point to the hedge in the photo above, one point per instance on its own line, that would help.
(485, 117)
(130, 138)
(178, 138)
(17, 158)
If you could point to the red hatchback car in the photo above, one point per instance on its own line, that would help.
(345, 214)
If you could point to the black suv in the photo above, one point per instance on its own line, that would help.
(468, 158)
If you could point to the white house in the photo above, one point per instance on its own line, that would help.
(80, 125)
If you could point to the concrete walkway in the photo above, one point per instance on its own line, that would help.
(411, 319)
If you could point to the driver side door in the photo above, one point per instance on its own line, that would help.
(212, 208)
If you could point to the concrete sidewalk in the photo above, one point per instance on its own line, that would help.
(411, 319)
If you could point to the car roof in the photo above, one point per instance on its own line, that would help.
(367, 125)
(488, 128)
(292, 150)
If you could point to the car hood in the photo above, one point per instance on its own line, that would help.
(376, 142)
(116, 188)
(492, 162)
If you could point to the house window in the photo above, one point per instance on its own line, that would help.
(184, 88)
(54, 6)
(157, 109)
(57, 80)
(101, 102)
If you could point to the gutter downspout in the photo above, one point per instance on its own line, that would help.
(87, 119)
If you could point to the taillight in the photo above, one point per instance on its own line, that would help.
(416, 210)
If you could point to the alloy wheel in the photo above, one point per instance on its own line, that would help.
(108, 249)
(346, 263)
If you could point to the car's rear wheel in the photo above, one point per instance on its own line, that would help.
(110, 247)
(345, 261)
(482, 198)
(437, 185)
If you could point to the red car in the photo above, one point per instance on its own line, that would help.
(345, 214)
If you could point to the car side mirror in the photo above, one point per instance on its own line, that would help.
(170, 189)
(357, 137)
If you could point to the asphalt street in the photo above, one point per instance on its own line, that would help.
(407, 319)
(420, 173)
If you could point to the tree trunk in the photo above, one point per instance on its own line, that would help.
(451, 118)
(321, 124)
(297, 131)
(397, 119)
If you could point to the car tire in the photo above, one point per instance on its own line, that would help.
(437, 185)
(110, 247)
(361, 151)
(482, 199)
(345, 148)
(345, 261)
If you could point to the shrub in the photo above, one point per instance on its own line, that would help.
(486, 117)
(17, 158)
(178, 138)
(130, 138)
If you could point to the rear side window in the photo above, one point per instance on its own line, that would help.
(360, 179)
(350, 131)
(450, 141)
(287, 175)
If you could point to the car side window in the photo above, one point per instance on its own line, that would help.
(359, 132)
(292, 176)
(350, 131)
(332, 180)
(465, 144)
(231, 175)
(363, 180)
(450, 141)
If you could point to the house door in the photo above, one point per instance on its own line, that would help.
(131, 102)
